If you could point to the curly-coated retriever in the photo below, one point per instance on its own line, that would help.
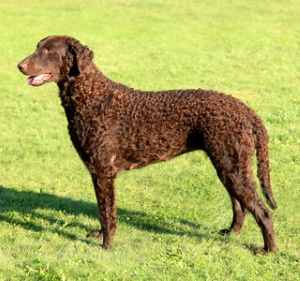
(114, 128)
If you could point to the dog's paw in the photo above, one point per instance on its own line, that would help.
(260, 251)
(228, 231)
(106, 246)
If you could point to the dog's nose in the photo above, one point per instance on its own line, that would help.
(22, 66)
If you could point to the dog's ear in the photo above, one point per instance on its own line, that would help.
(82, 56)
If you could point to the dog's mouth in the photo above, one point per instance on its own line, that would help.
(37, 80)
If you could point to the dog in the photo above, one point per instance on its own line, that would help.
(114, 128)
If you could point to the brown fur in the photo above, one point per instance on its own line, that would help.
(115, 128)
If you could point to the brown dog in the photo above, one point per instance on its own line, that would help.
(116, 128)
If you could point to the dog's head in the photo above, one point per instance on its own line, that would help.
(55, 59)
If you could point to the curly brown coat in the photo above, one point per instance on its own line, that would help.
(115, 128)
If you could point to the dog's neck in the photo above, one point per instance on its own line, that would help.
(90, 84)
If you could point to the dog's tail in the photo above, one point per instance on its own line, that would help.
(263, 169)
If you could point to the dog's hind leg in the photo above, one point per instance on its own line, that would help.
(249, 198)
(238, 218)
(238, 180)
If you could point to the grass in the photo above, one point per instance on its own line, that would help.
(169, 214)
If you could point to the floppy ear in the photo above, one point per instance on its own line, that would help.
(82, 56)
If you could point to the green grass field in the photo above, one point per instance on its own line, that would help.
(169, 213)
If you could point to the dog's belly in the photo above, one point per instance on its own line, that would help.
(154, 149)
(143, 160)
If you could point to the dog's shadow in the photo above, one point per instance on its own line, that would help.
(29, 204)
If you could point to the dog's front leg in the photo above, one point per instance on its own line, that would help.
(105, 194)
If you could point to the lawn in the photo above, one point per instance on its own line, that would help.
(170, 213)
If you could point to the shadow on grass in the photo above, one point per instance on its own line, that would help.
(26, 202)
